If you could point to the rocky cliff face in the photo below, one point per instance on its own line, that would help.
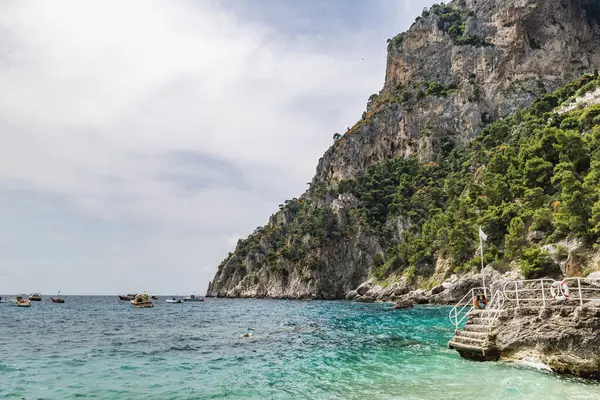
(459, 67)
(510, 52)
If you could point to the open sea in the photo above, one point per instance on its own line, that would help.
(101, 348)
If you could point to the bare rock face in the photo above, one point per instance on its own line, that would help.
(518, 49)
(570, 264)
(442, 85)
(594, 275)
(566, 339)
(535, 236)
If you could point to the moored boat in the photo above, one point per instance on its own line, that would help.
(174, 300)
(141, 300)
(21, 301)
(35, 297)
(57, 299)
(193, 297)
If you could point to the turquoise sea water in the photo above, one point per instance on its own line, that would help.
(99, 347)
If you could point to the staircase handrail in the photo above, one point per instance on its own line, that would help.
(459, 312)
(494, 308)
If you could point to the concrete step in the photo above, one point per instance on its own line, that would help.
(474, 352)
(476, 328)
(471, 334)
(476, 311)
(482, 320)
(469, 341)
(460, 346)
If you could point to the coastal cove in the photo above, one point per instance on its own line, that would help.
(98, 347)
(472, 179)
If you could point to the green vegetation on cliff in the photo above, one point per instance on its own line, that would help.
(530, 179)
(533, 171)
(303, 228)
(440, 150)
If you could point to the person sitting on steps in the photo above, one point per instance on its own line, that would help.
(480, 300)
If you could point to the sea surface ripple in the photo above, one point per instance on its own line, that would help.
(101, 348)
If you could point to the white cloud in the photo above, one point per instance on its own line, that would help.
(100, 99)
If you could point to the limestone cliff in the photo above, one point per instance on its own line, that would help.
(458, 68)
(510, 52)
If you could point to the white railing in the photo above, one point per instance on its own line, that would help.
(537, 292)
(494, 308)
(532, 292)
(527, 291)
(583, 289)
(460, 311)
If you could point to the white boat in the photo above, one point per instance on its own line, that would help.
(193, 298)
(21, 301)
(174, 301)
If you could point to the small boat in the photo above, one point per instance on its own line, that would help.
(154, 297)
(141, 300)
(174, 301)
(35, 297)
(20, 301)
(128, 297)
(57, 299)
(193, 298)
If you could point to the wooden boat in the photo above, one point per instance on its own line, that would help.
(57, 299)
(141, 300)
(174, 301)
(35, 297)
(128, 297)
(193, 298)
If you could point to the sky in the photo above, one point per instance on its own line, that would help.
(140, 140)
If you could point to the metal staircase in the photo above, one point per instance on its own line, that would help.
(475, 340)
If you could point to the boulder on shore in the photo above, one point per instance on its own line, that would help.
(419, 296)
(351, 295)
(403, 304)
(364, 287)
(438, 289)
(365, 299)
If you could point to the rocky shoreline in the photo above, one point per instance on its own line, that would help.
(448, 292)
(563, 339)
